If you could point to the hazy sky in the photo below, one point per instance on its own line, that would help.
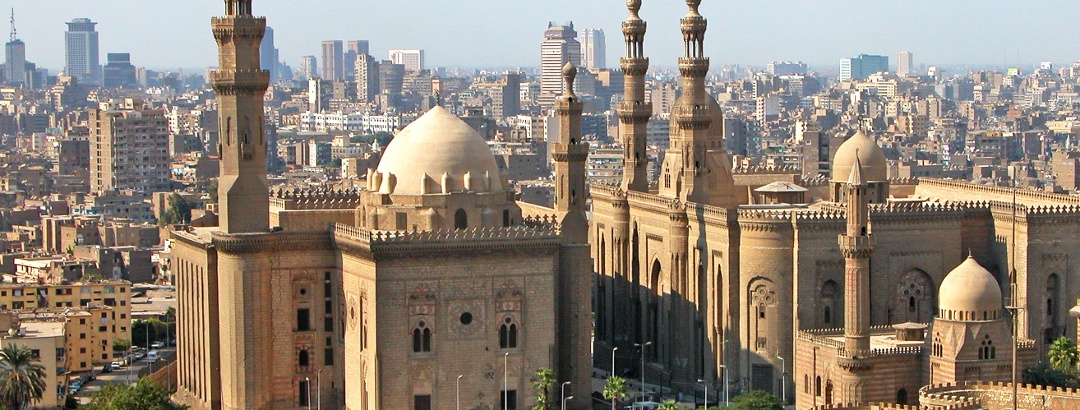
(487, 33)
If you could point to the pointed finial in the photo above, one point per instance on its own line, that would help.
(438, 98)
(969, 254)
(634, 6)
(569, 73)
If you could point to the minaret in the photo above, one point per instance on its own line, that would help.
(696, 167)
(857, 243)
(634, 112)
(243, 199)
(570, 153)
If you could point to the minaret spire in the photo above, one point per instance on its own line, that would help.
(240, 84)
(857, 244)
(634, 112)
(696, 167)
(570, 153)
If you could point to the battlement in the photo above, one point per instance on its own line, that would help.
(315, 199)
(822, 215)
(932, 187)
(540, 228)
(765, 214)
(765, 170)
(997, 395)
(891, 406)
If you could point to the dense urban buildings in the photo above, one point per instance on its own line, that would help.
(129, 149)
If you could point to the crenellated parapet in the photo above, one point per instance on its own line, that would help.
(765, 170)
(311, 199)
(946, 189)
(996, 395)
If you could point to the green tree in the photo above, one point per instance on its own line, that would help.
(757, 400)
(22, 379)
(1063, 354)
(543, 382)
(145, 394)
(178, 211)
(211, 188)
(615, 390)
(140, 328)
(121, 345)
(669, 404)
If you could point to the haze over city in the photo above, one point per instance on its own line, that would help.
(493, 33)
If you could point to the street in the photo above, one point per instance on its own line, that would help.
(127, 374)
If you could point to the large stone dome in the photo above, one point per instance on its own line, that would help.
(438, 153)
(874, 165)
(970, 292)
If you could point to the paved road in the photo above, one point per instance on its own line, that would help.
(127, 374)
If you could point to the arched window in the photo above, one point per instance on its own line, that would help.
(416, 340)
(901, 396)
(461, 220)
(915, 298)
(829, 297)
(508, 334)
(427, 340)
(421, 335)
(817, 386)
(806, 383)
(302, 358)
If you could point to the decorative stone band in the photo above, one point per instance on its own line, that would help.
(272, 242)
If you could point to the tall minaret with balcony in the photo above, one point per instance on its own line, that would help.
(696, 166)
(634, 112)
(857, 243)
(570, 153)
(244, 203)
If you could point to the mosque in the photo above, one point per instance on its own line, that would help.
(433, 283)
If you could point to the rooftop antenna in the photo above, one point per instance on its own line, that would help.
(12, 24)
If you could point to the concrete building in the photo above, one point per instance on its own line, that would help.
(366, 78)
(333, 61)
(81, 51)
(308, 68)
(413, 60)
(904, 64)
(129, 149)
(560, 46)
(779, 68)
(15, 62)
(593, 49)
(268, 54)
(861, 66)
(118, 71)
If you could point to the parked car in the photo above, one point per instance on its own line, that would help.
(157, 345)
(117, 364)
(107, 368)
(152, 356)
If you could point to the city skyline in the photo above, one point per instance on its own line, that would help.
(761, 33)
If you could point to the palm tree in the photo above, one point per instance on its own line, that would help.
(615, 390)
(22, 379)
(669, 404)
(1063, 354)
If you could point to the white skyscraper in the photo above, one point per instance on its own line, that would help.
(903, 64)
(81, 43)
(559, 47)
(413, 60)
(593, 48)
(308, 68)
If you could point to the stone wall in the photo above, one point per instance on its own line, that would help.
(998, 396)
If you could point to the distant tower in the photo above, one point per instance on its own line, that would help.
(333, 60)
(15, 52)
(268, 58)
(634, 112)
(857, 243)
(903, 65)
(593, 48)
(570, 153)
(413, 60)
(309, 67)
(240, 84)
(560, 46)
(81, 54)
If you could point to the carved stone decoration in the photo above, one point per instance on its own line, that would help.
(354, 311)
(465, 318)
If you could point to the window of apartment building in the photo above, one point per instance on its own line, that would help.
(82, 321)
(17, 305)
(36, 353)
(17, 292)
(103, 328)
(82, 350)
(328, 307)
(82, 335)
(328, 324)
(303, 320)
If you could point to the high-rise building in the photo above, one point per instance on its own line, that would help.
(560, 46)
(358, 46)
(593, 48)
(779, 68)
(268, 55)
(118, 71)
(391, 77)
(367, 78)
(81, 51)
(861, 66)
(15, 57)
(308, 68)
(333, 61)
(130, 148)
(354, 49)
(903, 65)
(413, 60)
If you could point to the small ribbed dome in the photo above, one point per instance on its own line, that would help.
(438, 149)
(969, 292)
(874, 165)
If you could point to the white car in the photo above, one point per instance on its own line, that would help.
(152, 356)
(117, 364)
(157, 345)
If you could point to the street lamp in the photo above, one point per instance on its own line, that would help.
(642, 346)
(457, 391)
(506, 393)
(723, 369)
(562, 394)
(706, 384)
(318, 382)
(307, 380)
(564, 402)
(783, 379)
(613, 399)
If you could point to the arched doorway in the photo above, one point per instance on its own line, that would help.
(901, 396)
(830, 305)
(461, 220)
(654, 309)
